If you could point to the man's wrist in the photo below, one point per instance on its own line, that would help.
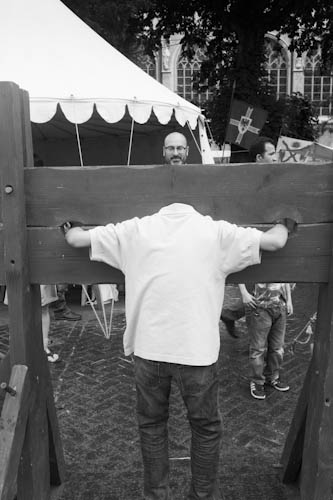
(289, 224)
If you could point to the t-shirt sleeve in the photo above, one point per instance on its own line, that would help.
(105, 245)
(240, 247)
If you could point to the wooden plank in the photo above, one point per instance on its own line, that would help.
(25, 328)
(33, 479)
(28, 156)
(56, 456)
(12, 430)
(5, 368)
(16, 265)
(317, 463)
(291, 458)
(242, 193)
(304, 259)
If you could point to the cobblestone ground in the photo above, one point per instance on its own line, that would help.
(95, 400)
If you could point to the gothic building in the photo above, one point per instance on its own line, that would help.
(286, 72)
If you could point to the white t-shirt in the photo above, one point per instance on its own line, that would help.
(175, 264)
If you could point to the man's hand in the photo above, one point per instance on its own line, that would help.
(75, 235)
(66, 226)
(290, 224)
(247, 298)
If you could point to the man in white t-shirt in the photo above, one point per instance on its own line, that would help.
(175, 264)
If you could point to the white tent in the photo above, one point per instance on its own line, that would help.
(84, 93)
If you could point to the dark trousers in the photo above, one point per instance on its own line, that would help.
(199, 389)
(60, 306)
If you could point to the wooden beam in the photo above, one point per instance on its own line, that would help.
(5, 368)
(317, 461)
(243, 194)
(305, 259)
(12, 430)
(291, 458)
(24, 301)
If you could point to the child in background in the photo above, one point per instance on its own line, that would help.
(266, 312)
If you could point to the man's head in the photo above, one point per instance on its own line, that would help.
(263, 151)
(175, 149)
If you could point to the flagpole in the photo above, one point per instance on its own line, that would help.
(229, 116)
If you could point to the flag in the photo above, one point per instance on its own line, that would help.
(291, 150)
(245, 123)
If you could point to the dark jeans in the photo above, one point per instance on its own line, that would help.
(199, 389)
(267, 328)
(60, 306)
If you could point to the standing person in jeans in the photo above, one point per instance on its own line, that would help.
(261, 151)
(175, 264)
(266, 311)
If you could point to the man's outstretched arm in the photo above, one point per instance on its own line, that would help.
(275, 238)
(75, 235)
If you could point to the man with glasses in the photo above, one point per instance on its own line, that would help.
(175, 149)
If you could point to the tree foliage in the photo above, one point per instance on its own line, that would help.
(232, 32)
(119, 23)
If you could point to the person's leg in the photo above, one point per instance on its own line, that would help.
(275, 348)
(153, 384)
(199, 389)
(259, 323)
(52, 357)
(233, 309)
(45, 326)
(60, 307)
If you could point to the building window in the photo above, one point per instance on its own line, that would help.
(318, 87)
(148, 65)
(276, 68)
(187, 76)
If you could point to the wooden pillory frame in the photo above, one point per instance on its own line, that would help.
(35, 201)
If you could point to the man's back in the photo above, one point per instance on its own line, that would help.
(175, 263)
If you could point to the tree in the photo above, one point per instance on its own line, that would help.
(119, 23)
(232, 32)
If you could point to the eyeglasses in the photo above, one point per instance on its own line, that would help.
(179, 149)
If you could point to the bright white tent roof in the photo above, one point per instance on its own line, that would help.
(48, 51)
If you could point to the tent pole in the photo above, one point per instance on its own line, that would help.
(193, 137)
(78, 143)
(130, 143)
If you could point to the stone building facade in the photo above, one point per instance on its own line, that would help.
(286, 72)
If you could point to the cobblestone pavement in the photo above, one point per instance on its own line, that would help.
(95, 400)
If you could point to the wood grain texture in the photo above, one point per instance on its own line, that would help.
(240, 193)
(304, 259)
(317, 460)
(12, 430)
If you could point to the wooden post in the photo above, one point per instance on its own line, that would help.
(24, 303)
(12, 430)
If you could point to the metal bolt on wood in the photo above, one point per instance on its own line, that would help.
(8, 389)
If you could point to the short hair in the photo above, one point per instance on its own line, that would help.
(259, 147)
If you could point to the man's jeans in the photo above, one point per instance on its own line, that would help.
(199, 389)
(267, 328)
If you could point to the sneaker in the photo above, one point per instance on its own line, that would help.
(230, 327)
(257, 391)
(67, 315)
(278, 385)
(51, 356)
